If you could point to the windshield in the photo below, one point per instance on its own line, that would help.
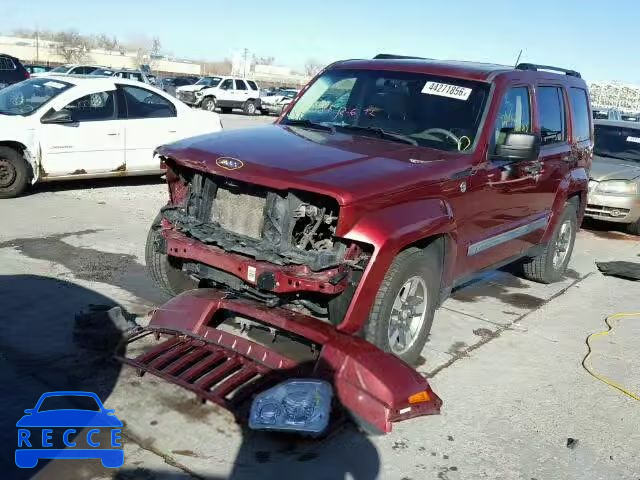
(26, 97)
(617, 142)
(438, 112)
(60, 69)
(209, 81)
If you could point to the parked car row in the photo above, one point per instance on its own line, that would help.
(61, 126)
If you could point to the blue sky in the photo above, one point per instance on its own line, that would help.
(595, 38)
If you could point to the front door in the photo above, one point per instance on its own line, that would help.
(150, 121)
(502, 211)
(225, 96)
(92, 143)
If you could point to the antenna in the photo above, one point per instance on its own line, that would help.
(518, 59)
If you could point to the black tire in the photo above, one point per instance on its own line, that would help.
(541, 269)
(15, 173)
(249, 107)
(425, 264)
(209, 104)
(165, 271)
(634, 228)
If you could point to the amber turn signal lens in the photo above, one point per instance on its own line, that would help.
(419, 397)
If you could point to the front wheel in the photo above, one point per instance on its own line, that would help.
(634, 228)
(551, 264)
(405, 304)
(209, 104)
(14, 173)
(165, 271)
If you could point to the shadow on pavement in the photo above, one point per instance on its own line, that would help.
(55, 336)
(87, 184)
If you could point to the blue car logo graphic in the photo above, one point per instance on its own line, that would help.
(96, 428)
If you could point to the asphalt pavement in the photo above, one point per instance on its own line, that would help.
(504, 355)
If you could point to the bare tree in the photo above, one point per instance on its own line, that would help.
(311, 67)
(106, 43)
(263, 60)
(72, 46)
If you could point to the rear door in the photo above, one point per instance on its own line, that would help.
(150, 121)
(242, 92)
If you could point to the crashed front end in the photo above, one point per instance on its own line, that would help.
(199, 349)
(268, 260)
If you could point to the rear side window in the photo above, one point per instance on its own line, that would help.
(551, 111)
(580, 112)
(252, 84)
(143, 103)
(240, 85)
(7, 64)
(514, 115)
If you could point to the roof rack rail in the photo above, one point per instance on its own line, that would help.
(389, 56)
(535, 67)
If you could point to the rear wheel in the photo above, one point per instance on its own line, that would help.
(165, 271)
(405, 304)
(14, 173)
(249, 107)
(209, 104)
(551, 264)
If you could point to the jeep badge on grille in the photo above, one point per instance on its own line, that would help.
(229, 163)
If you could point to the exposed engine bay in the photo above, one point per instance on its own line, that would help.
(289, 234)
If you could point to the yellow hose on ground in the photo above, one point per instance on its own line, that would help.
(587, 364)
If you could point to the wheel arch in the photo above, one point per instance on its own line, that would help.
(421, 224)
(32, 161)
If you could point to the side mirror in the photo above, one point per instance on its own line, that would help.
(57, 117)
(29, 411)
(518, 147)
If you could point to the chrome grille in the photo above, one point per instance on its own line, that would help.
(239, 212)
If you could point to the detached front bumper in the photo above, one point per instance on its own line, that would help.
(613, 208)
(228, 369)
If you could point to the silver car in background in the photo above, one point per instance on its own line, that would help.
(614, 183)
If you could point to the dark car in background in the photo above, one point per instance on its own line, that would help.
(11, 70)
(170, 84)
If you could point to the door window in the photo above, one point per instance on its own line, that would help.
(93, 107)
(580, 112)
(143, 103)
(552, 119)
(7, 64)
(514, 115)
(252, 85)
(240, 85)
(227, 84)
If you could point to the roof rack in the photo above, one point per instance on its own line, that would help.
(535, 67)
(389, 56)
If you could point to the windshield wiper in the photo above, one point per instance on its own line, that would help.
(309, 124)
(398, 137)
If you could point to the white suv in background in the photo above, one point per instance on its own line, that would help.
(225, 93)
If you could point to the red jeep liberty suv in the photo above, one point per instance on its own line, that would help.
(384, 184)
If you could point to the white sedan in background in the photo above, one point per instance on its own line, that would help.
(63, 127)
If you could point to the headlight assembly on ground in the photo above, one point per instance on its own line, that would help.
(299, 405)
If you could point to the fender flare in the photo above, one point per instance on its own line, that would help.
(33, 159)
(390, 231)
(576, 182)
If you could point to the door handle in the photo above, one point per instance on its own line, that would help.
(172, 131)
(113, 134)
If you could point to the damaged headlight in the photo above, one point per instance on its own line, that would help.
(299, 405)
